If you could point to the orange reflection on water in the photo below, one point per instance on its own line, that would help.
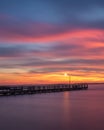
(66, 109)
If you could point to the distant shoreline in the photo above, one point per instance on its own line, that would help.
(95, 83)
(44, 84)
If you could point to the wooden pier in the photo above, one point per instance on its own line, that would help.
(33, 89)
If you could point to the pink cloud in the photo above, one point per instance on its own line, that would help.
(10, 36)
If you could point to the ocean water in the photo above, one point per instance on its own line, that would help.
(75, 110)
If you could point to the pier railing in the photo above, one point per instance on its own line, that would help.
(32, 89)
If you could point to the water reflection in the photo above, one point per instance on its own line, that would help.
(77, 110)
(66, 110)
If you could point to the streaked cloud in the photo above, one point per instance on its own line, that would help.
(48, 38)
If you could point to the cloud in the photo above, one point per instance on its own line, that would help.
(51, 36)
(11, 51)
(71, 16)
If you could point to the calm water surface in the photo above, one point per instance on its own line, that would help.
(76, 110)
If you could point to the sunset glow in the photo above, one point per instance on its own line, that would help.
(42, 42)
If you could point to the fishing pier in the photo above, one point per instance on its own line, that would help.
(34, 89)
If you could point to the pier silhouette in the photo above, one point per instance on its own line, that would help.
(34, 89)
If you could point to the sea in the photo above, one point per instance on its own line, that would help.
(70, 110)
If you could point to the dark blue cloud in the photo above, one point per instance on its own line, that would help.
(37, 18)
(80, 13)
(11, 51)
(22, 50)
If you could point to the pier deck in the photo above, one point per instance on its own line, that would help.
(33, 89)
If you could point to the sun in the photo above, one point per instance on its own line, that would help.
(65, 74)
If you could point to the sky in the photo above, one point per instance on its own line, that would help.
(40, 40)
